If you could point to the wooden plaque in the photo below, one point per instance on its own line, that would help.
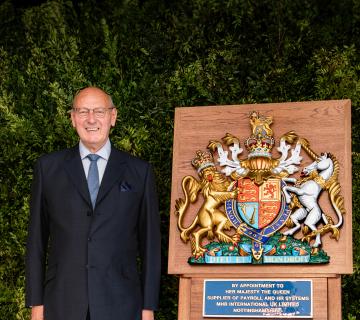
(327, 126)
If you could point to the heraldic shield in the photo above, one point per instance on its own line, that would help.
(258, 206)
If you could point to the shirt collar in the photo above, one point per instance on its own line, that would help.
(103, 152)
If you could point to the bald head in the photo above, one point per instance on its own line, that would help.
(96, 92)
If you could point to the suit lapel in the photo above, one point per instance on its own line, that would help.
(114, 171)
(75, 170)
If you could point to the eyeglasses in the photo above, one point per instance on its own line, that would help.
(84, 112)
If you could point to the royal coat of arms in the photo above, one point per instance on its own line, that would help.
(254, 210)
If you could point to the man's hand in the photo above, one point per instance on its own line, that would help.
(37, 313)
(147, 315)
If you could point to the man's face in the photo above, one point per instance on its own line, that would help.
(92, 130)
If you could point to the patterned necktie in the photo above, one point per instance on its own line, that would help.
(93, 178)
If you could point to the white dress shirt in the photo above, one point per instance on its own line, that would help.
(104, 154)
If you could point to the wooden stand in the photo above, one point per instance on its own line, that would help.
(326, 290)
(327, 126)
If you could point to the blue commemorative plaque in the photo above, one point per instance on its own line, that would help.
(258, 298)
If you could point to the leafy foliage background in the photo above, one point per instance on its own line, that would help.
(152, 56)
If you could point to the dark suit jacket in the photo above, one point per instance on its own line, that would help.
(92, 259)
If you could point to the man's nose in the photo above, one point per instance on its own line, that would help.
(91, 117)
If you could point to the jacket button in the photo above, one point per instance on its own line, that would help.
(89, 239)
(89, 213)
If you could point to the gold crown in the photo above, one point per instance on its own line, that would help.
(203, 160)
(259, 147)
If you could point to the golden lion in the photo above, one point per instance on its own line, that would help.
(210, 219)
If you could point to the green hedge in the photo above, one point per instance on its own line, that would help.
(152, 56)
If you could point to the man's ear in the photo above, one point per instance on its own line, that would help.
(72, 119)
(113, 117)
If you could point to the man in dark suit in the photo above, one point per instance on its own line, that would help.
(94, 226)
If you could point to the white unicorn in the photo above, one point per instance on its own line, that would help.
(319, 175)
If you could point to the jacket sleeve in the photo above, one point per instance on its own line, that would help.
(38, 234)
(149, 240)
